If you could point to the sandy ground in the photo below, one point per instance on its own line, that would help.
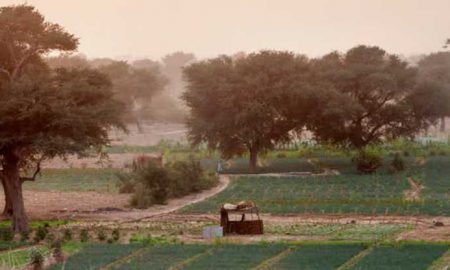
(150, 135)
(102, 206)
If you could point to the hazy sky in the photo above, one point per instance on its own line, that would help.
(153, 28)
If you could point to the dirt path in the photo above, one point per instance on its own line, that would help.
(102, 206)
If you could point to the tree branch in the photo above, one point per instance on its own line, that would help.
(2, 70)
(36, 172)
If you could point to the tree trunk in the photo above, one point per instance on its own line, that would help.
(13, 187)
(7, 210)
(443, 128)
(253, 160)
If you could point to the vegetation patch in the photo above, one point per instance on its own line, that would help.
(318, 256)
(163, 257)
(76, 179)
(93, 256)
(237, 256)
(409, 256)
(381, 193)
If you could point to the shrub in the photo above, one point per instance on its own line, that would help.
(25, 236)
(126, 183)
(397, 164)
(155, 184)
(67, 235)
(152, 186)
(6, 234)
(188, 177)
(56, 250)
(115, 235)
(40, 234)
(368, 161)
(84, 235)
(36, 259)
(101, 235)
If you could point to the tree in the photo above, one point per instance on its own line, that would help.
(44, 113)
(433, 91)
(248, 104)
(135, 87)
(365, 98)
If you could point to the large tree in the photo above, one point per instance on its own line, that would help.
(44, 113)
(366, 98)
(246, 104)
(433, 91)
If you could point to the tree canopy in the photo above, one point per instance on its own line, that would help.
(43, 112)
(366, 98)
(246, 104)
(433, 90)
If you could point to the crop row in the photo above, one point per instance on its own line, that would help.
(326, 255)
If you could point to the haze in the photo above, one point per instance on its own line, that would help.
(138, 28)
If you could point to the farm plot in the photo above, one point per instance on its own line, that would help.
(412, 256)
(163, 257)
(76, 179)
(318, 256)
(95, 256)
(236, 257)
(348, 193)
(359, 232)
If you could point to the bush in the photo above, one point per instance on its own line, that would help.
(84, 235)
(36, 259)
(101, 235)
(40, 234)
(115, 235)
(152, 186)
(155, 185)
(126, 183)
(25, 236)
(397, 164)
(67, 235)
(368, 161)
(6, 234)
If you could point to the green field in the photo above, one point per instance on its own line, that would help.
(100, 180)
(349, 192)
(408, 256)
(305, 255)
(311, 257)
(94, 256)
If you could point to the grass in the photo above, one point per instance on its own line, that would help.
(18, 258)
(36, 224)
(89, 179)
(346, 193)
(162, 257)
(412, 256)
(9, 245)
(312, 257)
(93, 256)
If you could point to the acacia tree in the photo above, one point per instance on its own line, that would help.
(246, 104)
(366, 98)
(44, 113)
(433, 91)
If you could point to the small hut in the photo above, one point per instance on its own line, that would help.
(241, 218)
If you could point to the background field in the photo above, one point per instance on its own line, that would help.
(381, 193)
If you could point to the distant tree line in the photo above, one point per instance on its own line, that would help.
(150, 89)
(248, 104)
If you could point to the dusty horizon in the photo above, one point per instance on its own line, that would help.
(152, 29)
